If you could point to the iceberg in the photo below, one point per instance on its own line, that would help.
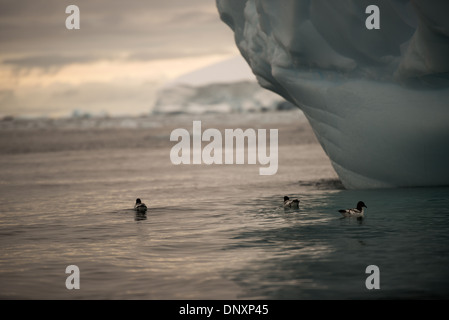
(238, 97)
(223, 87)
(377, 100)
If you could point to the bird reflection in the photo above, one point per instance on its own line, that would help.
(139, 216)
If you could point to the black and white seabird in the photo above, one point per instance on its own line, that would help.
(290, 203)
(355, 212)
(139, 206)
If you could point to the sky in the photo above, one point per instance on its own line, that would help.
(114, 64)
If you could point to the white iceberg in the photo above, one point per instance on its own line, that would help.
(377, 100)
(241, 96)
(227, 86)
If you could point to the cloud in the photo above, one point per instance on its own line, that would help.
(105, 64)
(50, 62)
(115, 98)
(33, 33)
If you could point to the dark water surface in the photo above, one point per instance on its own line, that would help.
(211, 232)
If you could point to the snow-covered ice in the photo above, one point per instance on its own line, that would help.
(227, 86)
(378, 100)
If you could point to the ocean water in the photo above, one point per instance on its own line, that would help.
(211, 232)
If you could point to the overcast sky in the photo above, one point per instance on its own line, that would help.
(122, 53)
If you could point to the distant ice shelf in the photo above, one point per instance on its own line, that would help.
(223, 87)
(377, 100)
(240, 97)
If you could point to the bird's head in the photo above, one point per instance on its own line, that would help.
(361, 205)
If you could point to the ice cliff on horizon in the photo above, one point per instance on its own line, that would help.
(240, 96)
(377, 100)
(223, 87)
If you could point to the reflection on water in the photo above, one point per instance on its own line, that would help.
(219, 236)
(322, 184)
(318, 254)
(139, 216)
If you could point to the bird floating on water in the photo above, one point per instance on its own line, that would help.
(291, 203)
(355, 212)
(139, 206)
